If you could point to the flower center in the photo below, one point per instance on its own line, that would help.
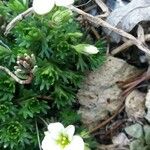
(63, 140)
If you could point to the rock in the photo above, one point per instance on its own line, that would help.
(121, 140)
(147, 104)
(135, 130)
(99, 96)
(111, 147)
(135, 105)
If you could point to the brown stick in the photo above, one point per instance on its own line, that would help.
(112, 129)
(120, 109)
(127, 44)
(90, 8)
(95, 33)
(48, 98)
(103, 6)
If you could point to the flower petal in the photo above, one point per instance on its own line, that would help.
(42, 7)
(70, 131)
(64, 2)
(49, 144)
(55, 129)
(77, 143)
(46, 133)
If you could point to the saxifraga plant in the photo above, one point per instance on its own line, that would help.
(60, 71)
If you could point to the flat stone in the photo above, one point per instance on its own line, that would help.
(99, 96)
(135, 105)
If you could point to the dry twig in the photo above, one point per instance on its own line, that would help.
(17, 19)
(27, 81)
(119, 110)
(84, 4)
(95, 33)
(47, 98)
(104, 8)
(90, 8)
(127, 44)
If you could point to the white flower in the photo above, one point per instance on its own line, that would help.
(64, 2)
(59, 138)
(42, 7)
(86, 49)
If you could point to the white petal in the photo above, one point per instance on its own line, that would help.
(49, 144)
(77, 143)
(55, 129)
(42, 7)
(70, 131)
(46, 133)
(64, 2)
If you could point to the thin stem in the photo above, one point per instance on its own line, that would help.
(17, 19)
(3, 44)
(38, 136)
(44, 121)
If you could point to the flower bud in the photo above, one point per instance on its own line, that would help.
(61, 16)
(86, 49)
(34, 69)
(18, 57)
(26, 65)
(33, 60)
(27, 57)
(75, 34)
(18, 70)
(16, 67)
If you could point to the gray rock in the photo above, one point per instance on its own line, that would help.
(147, 105)
(135, 105)
(99, 95)
(121, 140)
